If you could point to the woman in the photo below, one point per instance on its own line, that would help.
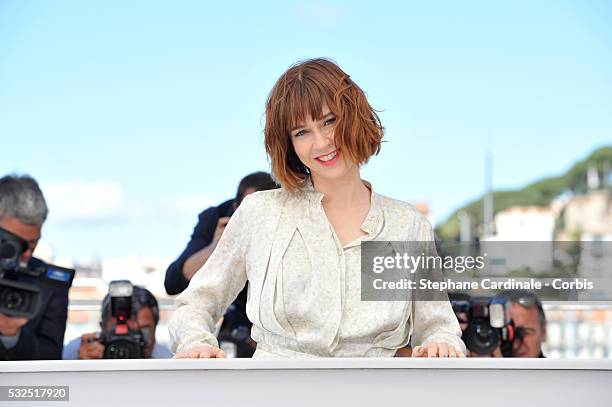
(299, 246)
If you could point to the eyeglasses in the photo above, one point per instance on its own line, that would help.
(528, 301)
(525, 299)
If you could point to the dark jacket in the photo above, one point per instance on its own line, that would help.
(43, 336)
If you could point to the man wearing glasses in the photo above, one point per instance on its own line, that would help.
(528, 314)
(23, 211)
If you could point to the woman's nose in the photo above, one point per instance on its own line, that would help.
(323, 138)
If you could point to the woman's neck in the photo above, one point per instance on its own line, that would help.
(343, 193)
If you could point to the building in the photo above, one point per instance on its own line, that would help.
(515, 226)
(588, 217)
(525, 223)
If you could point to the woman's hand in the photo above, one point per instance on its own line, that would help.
(201, 352)
(436, 350)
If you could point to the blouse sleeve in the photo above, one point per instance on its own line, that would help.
(214, 286)
(435, 321)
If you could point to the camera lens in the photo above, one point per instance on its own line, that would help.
(8, 250)
(122, 349)
(481, 338)
(121, 352)
(12, 300)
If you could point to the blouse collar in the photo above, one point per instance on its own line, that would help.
(373, 222)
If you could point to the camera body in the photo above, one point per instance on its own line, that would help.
(20, 285)
(122, 342)
(489, 324)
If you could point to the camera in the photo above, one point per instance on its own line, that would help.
(20, 284)
(489, 323)
(122, 342)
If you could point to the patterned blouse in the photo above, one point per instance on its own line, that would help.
(304, 295)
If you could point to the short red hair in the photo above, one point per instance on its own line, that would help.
(302, 91)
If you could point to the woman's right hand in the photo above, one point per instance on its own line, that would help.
(201, 352)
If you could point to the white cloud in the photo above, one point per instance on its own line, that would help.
(79, 201)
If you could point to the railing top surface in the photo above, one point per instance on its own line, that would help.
(293, 364)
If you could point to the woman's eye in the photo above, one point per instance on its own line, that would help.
(329, 121)
(299, 133)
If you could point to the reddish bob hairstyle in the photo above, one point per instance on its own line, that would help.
(302, 91)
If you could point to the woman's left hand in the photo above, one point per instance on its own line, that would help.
(436, 350)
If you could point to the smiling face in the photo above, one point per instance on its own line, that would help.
(314, 143)
(318, 121)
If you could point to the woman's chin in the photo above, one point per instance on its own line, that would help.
(330, 174)
(342, 172)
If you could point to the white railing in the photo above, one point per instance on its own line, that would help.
(574, 330)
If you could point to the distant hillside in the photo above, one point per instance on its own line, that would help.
(539, 193)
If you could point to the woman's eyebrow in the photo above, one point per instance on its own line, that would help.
(326, 116)
(298, 127)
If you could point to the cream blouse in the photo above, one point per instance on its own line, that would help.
(304, 295)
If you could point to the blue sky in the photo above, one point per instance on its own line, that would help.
(134, 116)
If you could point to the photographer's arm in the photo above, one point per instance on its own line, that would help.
(48, 339)
(199, 258)
(203, 234)
(50, 332)
(212, 289)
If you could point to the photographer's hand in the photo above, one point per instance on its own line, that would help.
(201, 352)
(435, 350)
(10, 326)
(90, 347)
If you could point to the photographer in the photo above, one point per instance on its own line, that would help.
(23, 211)
(520, 335)
(141, 318)
(207, 233)
(530, 322)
